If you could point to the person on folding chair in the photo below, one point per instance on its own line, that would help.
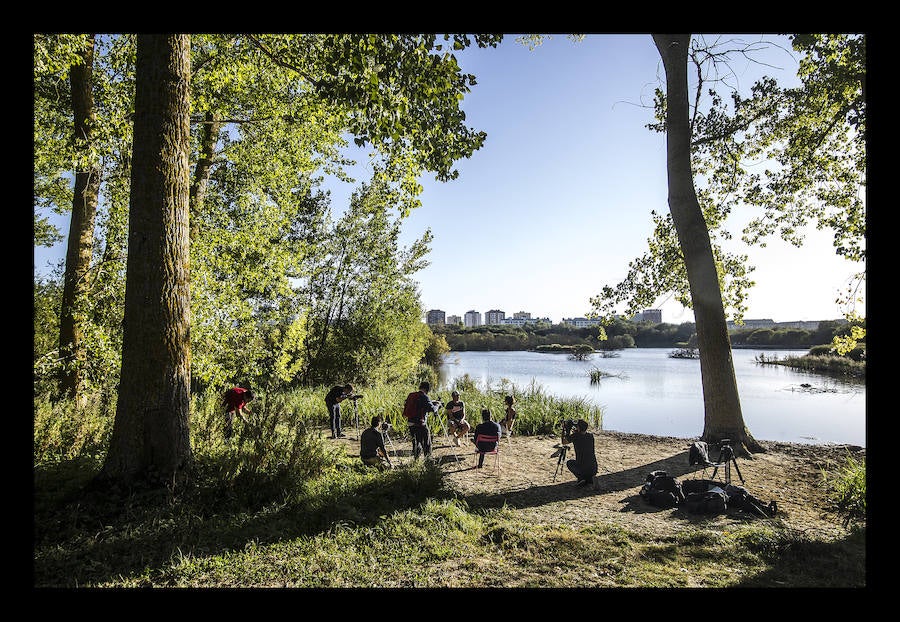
(487, 427)
(584, 466)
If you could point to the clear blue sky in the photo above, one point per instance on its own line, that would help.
(557, 202)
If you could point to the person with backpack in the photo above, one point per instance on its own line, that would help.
(333, 400)
(235, 400)
(416, 410)
(584, 466)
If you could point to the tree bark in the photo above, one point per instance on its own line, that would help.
(209, 135)
(76, 281)
(150, 438)
(723, 418)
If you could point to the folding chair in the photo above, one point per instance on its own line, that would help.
(484, 438)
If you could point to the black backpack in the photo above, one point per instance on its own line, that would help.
(710, 502)
(661, 490)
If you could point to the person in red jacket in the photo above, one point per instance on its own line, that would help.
(235, 402)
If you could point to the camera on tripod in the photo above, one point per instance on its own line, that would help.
(354, 397)
(567, 426)
(385, 426)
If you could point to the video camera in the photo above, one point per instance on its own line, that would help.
(353, 397)
(385, 426)
(567, 426)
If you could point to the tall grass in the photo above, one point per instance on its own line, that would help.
(846, 489)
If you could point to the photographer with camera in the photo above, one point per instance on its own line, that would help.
(371, 445)
(333, 399)
(416, 410)
(584, 466)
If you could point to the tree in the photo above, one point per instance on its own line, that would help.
(722, 408)
(81, 230)
(813, 136)
(150, 437)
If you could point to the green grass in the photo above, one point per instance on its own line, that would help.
(280, 507)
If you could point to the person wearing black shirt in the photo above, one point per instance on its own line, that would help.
(418, 426)
(371, 446)
(584, 466)
(456, 418)
(488, 428)
(332, 401)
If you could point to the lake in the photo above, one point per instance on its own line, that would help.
(650, 393)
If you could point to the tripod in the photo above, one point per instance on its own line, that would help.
(447, 437)
(561, 461)
(387, 437)
(726, 459)
(356, 417)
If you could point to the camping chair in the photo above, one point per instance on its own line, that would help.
(485, 438)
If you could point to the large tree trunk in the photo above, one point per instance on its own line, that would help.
(150, 438)
(722, 406)
(76, 282)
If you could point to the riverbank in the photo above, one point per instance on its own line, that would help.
(528, 527)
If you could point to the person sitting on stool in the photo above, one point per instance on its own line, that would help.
(488, 428)
(584, 466)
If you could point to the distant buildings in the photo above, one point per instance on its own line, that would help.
(580, 322)
(472, 318)
(435, 317)
(649, 315)
(494, 316)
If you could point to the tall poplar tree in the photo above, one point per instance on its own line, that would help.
(81, 229)
(722, 407)
(150, 437)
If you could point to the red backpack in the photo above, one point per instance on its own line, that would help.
(411, 407)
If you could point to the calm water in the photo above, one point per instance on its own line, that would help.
(651, 393)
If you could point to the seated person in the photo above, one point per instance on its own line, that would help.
(371, 446)
(488, 428)
(456, 418)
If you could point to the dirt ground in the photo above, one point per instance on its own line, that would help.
(545, 492)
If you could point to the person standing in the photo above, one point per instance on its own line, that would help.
(421, 407)
(333, 400)
(584, 466)
(487, 427)
(456, 418)
(371, 446)
(510, 419)
(235, 401)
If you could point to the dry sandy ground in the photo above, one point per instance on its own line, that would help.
(529, 480)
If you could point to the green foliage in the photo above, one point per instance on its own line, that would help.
(65, 432)
(846, 489)
(435, 350)
(811, 141)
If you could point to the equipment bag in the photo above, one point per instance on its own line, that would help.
(698, 453)
(709, 502)
(661, 490)
(411, 408)
(740, 498)
(698, 485)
